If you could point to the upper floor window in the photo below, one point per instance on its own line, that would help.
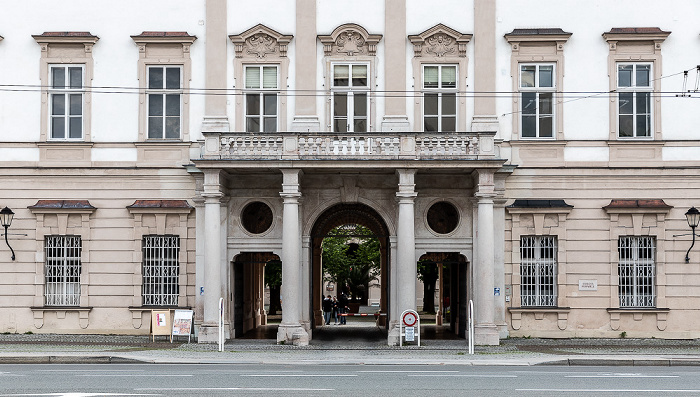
(66, 96)
(164, 102)
(350, 97)
(439, 98)
(261, 84)
(62, 270)
(537, 85)
(161, 270)
(637, 271)
(634, 87)
(538, 270)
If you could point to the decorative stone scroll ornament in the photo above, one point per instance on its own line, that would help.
(350, 40)
(440, 41)
(260, 42)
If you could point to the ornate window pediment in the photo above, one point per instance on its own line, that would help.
(350, 40)
(440, 41)
(260, 42)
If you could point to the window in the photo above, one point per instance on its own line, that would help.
(439, 98)
(637, 271)
(634, 100)
(164, 102)
(62, 270)
(161, 270)
(66, 93)
(537, 85)
(261, 106)
(538, 270)
(350, 107)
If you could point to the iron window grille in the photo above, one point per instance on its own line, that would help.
(538, 271)
(637, 271)
(161, 270)
(62, 270)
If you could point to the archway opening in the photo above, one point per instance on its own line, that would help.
(255, 310)
(444, 276)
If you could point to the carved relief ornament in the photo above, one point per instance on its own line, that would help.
(350, 40)
(260, 42)
(440, 41)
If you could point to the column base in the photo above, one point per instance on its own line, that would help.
(485, 123)
(215, 124)
(486, 334)
(292, 334)
(305, 124)
(394, 334)
(208, 334)
(395, 124)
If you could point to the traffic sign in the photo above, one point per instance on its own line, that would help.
(410, 319)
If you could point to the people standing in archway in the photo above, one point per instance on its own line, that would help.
(327, 309)
(335, 311)
(343, 306)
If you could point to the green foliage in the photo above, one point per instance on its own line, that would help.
(350, 259)
(273, 274)
(623, 334)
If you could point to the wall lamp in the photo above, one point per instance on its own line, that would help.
(6, 216)
(693, 217)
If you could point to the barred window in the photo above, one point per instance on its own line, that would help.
(161, 269)
(637, 271)
(62, 270)
(538, 270)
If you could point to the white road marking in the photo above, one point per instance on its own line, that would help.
(130, 375)
(614, 390)
(298, 375)
(70, 394)
(622, 376)
(231, 388)
(469, 375)
(407, 372)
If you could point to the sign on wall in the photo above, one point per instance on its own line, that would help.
(588, 285)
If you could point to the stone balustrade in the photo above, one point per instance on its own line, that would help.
(357, 146)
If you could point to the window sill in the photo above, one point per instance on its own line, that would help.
(39, 311)
(516, 315)
(638, 314)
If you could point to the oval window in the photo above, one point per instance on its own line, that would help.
(443, 217)
(256, 217)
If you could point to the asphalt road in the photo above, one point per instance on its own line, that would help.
(345, 380)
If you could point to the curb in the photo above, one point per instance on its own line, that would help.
(69, 360)
(662, 362)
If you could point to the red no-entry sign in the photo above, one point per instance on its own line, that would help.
(410, 319)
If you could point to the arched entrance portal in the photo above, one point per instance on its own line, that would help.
(348, 214)
(248, 290)
(448, 272)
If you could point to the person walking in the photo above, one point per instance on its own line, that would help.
(343, 306)
(327, 309)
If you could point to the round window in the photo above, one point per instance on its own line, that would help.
(256, 217)
(443, 217)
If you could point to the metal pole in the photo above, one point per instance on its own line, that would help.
(13, 251)
(221, 324)
(687, 254)
(471, 326)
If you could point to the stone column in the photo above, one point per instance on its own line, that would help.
(215, 119)
(485, 331)
(499, 236)
(395, 118)
(290, 330)
(209, 332)
(485, 117)
(305, 112)
(406, 247)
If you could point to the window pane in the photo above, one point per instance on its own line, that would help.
(626, 125)
(449, 76)
(624, 75)
(340, 125)
(155, 105)
(643, 102)
(527, 76)
(449, 124)
(172, 127)
(545, 126)
(360, 102)
(58, 104)
(252, 104)
(253, 124)
(643, 75)
(643, 125)
(430, 105)
(626, 106)
(449, 104)
(360, 125)
(172, 105)
(430, 77)
(252, 77)
(75, 127)
(58, 77)
(270, 124)
(172, 78)
(359, 75)
(155, 78)
(270, 101)
(58, 127)
(545, 103)
(529, 103)
(529, 126)
(546, 75)
(76, 77)
(155, 127)
(341, 75)
(269, 77)
(76, 104)
(430, 124)
(340, 105)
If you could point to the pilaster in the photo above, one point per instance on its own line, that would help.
(395, 118)
(212, 255)
(305, 111)
(215, 119)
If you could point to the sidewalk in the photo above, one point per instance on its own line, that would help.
(360, 349)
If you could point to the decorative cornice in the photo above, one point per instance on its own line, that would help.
(538, 35)
(61, 206)
(47, 38)
(637, 206)
(350, 39)
(440, 41)
(259, 41)
(145, 38)
(655, 35)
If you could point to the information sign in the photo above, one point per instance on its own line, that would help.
(410, 333)
(160, 323)
(182, 323)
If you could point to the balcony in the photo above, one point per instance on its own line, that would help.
(353, 146)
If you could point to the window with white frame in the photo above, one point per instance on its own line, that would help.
(439, 98)
(164, 102)
(637, 271)
(634, 88)
(161, 270)
(537, 86)
(350, 97)
(66, 102)
(62, 270)
(538, 270)
(261, 84)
